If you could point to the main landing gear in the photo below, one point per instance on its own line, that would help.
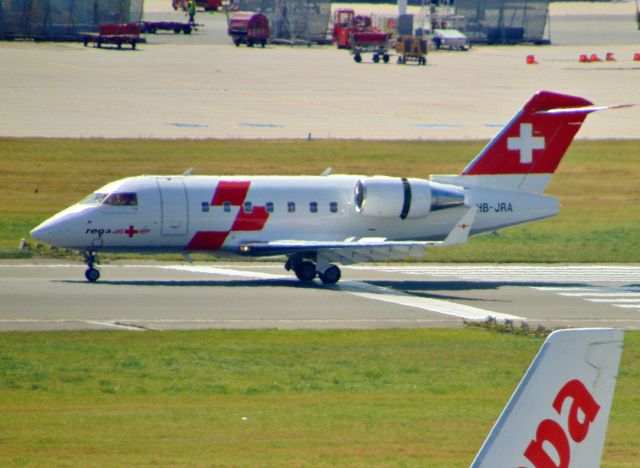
(306, 270)
(92, 273)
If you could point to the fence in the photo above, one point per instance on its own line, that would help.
(503, 21)
(51, 19)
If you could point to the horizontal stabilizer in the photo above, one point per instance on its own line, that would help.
(583, 110)
(460, 233)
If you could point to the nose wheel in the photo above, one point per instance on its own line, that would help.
(92, 273)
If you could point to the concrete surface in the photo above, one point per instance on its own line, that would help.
(201, 86)
(44, 295)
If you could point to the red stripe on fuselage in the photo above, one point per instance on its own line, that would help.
(253, 221)
(235, 193)
(231, 191)
(208, 240)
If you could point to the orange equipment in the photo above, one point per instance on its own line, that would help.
(412, 49)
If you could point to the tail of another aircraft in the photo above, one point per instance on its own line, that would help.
(527, 151)
(558, 415)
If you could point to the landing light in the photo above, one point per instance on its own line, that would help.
(244, 248)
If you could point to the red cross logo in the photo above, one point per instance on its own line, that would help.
(526, 143)
(131, 231)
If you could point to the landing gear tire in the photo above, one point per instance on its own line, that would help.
(331, 275)
(305, 270)
(92, 274)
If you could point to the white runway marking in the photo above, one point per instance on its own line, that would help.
(519, 273)
(226, 272)
(378, 293)
(110, 324)
(101, 323)
(567, 274)
(368, 291)
(620, 296)
(600, 294)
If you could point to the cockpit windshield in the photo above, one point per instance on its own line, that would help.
(116, 198)
(94, 199)
(122, 199)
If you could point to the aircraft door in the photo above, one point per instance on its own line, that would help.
(173, 201)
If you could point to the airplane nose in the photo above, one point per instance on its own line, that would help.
(43, 232)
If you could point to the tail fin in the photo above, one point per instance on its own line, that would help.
(558, 415)
(529, 148)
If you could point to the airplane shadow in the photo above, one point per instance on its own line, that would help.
(285, 282)
(443, 289)
(427, 289)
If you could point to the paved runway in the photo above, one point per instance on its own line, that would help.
(47, 295)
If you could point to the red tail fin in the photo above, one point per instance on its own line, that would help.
(535, 140)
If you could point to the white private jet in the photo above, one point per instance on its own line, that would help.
(317, 222)
(558, 415)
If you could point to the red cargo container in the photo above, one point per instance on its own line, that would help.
(249, 28)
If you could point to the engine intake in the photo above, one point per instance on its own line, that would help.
(392, 197)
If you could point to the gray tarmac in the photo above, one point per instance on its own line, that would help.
(49, 295)
(201, 86)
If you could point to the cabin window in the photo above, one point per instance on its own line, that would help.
(291, 207)
(205, 206)
(94, 199)
(248, 207)
(122, 199)
(313, 207)
(269, 207)
(333, 207)
(226, 206)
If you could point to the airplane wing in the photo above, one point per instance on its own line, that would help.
(361, 250)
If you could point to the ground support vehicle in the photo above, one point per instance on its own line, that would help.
(376, 43)
(249, 28)
(412, 49)
(152, 27)
(450, 39)
(113, 33)
(342, 27)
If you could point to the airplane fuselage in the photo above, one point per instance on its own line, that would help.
(220, 214)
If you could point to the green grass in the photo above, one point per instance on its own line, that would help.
(271, 398)
(596, 184)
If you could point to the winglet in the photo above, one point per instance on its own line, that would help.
(460, 232)
(559, 413)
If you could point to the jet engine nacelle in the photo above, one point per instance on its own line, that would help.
(393, 197)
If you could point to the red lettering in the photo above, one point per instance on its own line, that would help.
(551, 432)
(583, 401)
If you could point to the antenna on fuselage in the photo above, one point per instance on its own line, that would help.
(188, 172)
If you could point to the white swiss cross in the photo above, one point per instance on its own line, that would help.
(525, 143)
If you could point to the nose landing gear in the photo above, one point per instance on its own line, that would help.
(92, 274)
